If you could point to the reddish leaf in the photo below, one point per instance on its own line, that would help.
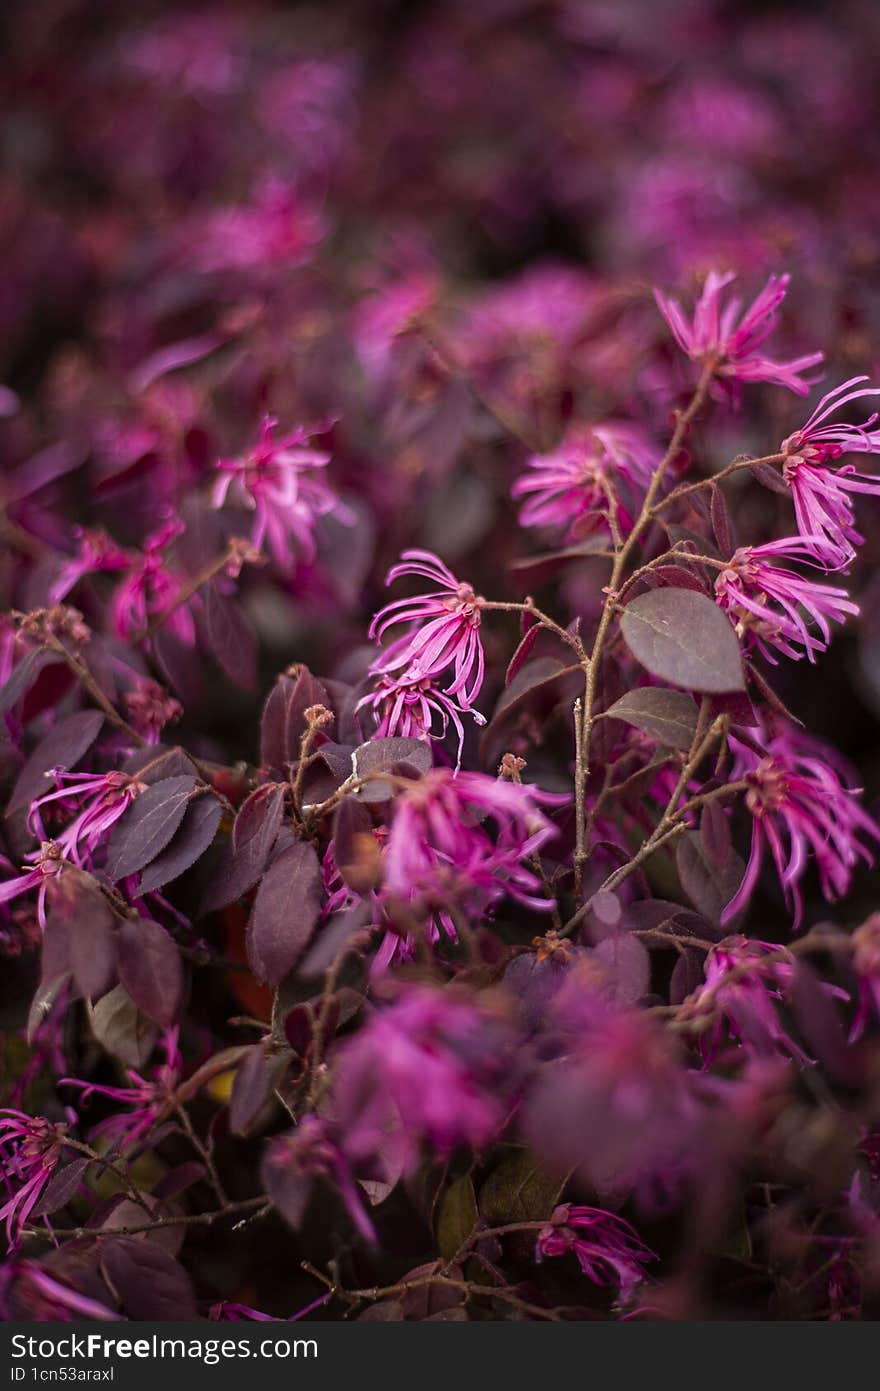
(249, 1089)
(230, 638)
(523, 651)
(626, 965)
(287, 1186)
(355, 848)
(92, 941)
(708, 886)
(24, 676)
(148, 1282)
(683, 638)
(192, 838)
(151, 970)
(63, 747)
(148, 825)
(253, 836)
(284, 914)
(722, 523)
(388, 755)
(61, 1187)
(670, 717)
(771, 478)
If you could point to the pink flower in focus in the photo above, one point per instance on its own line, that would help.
(30, 1148)
(107, 797)
(821, 495)
(410, 706)
(800, 807)
(588, 477)
(608, 1249)
(276, 482)
(49, 862)
(718, 331)
(449, 631)
(772, 606)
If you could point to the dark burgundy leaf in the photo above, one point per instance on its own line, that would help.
(687, 975)
(819, 1021)
(230, 638)
(273, 725)
(285, 911)
(253, 836)
(523, 651)
(148, 1282)
(715, 835)
(151, 970)
(287, 1186)
(388, 755)
(670, 717)
(771, 478)
(678, 577)
(92, 943)
(332, 938)
(626, 967)
(684, 638)
(179, 666)
(24, 676)
(249, 1089)
(145, 829)
(306, 691)
(121, 1028)
(192, 838)
(63, 747)
(708, 887)
(722, 523)
(178, 1179)
(355, 848)
(61, 1187)
(156, 764)
(299, 1029)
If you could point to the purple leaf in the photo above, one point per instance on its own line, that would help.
(355, 848)
(386, 755)
(722, 523)
(670, 717)
(708, 887)
(253, 836)
(771, 478)
(332, 939)
(121, 1028)
(24, 676)
(687, 975)
(683, 638)
(142, 833)
(287, 1186)
(626, 965)
(249, 1089)
(284, 914)
(148, 1282)
(230, 638)
(61, 1187)
(190, 841)
(63, 747)
(151, 970)
(715, 835)
(522, 653)
(92, 943)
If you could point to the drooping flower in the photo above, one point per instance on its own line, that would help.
(822, 495)
(448, 631)
(608, 1249)
(276, 480)
(594, 473)
(744, 980)
(774, 607)
(150, 590)
(800, 808)
(410, 706)
(718, 331)
(30, 1149)
(441, 854)
(148, 1101)
(102, 798)
(49, 862)
(433, 1064)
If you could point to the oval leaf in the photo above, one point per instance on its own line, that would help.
(284, 914)
(151, 970)
(670, 717)
(146, 828)
(685, 638)
(253, 836)
(189, 842)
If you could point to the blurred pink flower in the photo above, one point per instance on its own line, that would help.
(774, 607)
(589, 476)
(608, 1249)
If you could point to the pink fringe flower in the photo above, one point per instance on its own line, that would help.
(106, 796)
(148, 1102)
(49, 863)
(587, 479)
(609, 1251)
(411, 707)
(718, 330)
(450, 636)
(150, 588)
(800, 808)
(30, 1149)
(276, 481)
(821, 495)
(772, 606)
